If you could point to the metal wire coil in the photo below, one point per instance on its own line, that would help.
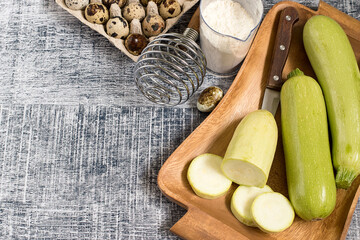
(171, 68)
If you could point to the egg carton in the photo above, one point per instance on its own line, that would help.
(119, 43)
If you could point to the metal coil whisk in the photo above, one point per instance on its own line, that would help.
(171, 68)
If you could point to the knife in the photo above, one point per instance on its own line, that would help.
(288, 17)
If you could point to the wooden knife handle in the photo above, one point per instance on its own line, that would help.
(281, 48)
(195, 20)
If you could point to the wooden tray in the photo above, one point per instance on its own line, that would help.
(119, 43)
(212, 219)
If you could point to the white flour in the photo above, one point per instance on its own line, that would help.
(227, 17)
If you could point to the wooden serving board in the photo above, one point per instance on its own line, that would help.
(212, 219)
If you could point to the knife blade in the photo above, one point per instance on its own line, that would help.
(271, 99)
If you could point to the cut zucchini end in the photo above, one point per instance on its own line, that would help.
(272, 212)
(243, 173)
(206, 178)
(345, 177)
(242, 200)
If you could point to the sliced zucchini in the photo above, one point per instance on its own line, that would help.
(251, 151)
(272, 212)
(242, 200)
(206, 178)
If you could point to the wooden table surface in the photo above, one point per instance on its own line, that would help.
(80, 148)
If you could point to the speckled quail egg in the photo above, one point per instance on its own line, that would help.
(145, 2)
(135, 43)
(133, 11)
(169, 9)
(108, 3)
(117, 27)
(153, 25)
(209, 98)
(76, 4)
(96, 13)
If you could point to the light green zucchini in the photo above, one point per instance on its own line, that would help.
(251, 151)
(309, 170)
(334, 63)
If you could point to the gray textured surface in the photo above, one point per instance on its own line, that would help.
(79, 148)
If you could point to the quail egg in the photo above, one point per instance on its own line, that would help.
(134, 11)
(108, 3)
(117, 27)
(96, 13)
(145, 2)
(209, 98)
(153, 25)
(169, 9)
(135, 43)
(76, 4)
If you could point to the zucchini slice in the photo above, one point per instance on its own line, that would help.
(242, 200)
(205, 176)
(272, 212)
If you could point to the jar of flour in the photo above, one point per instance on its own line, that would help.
(227, 28)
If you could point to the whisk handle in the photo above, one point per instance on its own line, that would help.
(195, 20)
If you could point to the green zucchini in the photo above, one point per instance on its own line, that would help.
(309, 170)
(251, 151)
(335, 66)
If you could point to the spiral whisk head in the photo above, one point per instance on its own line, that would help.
(170, 69)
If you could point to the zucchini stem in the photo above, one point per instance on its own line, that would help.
(344, 178)
(295, 72)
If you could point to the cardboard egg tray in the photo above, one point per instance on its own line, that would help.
(119, 43)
